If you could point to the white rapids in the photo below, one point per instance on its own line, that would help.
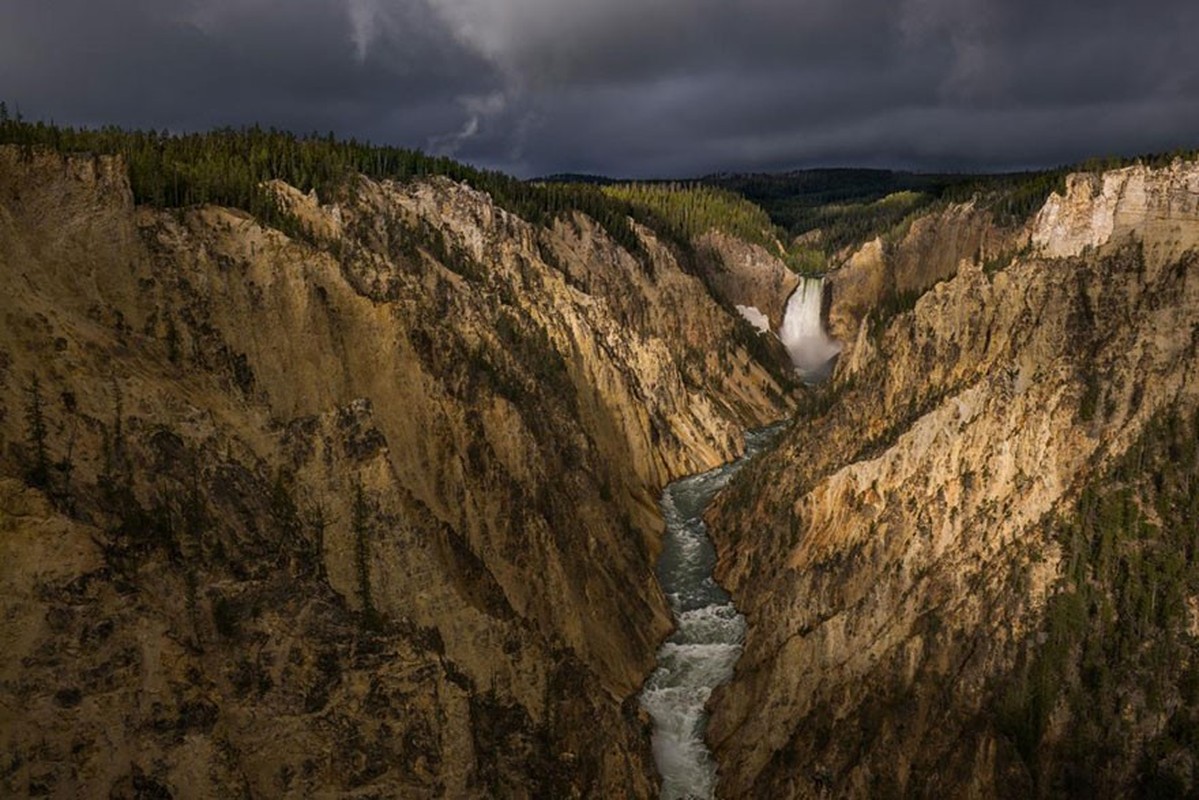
(701, 653)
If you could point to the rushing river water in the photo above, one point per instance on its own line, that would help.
(706, 644)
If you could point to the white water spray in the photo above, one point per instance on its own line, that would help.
(810, 348)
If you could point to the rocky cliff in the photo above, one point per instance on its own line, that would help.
(744, 274)
(889, 272)
(1158, 207)
(933, 563)
(369, 510)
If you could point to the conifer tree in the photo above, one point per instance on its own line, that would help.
(38, 468)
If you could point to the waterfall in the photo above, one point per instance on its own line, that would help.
(810, 348)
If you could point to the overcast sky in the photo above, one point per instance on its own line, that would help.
(634, 88)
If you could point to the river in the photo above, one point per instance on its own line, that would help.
(701, 653)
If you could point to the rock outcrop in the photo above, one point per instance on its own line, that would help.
(744, 274)
(367, 512)
(1159, 207)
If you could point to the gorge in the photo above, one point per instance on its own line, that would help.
(356, 487)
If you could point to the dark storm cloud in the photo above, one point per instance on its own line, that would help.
(199, 63)
(632, 87)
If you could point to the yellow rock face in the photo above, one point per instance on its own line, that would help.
(368, 512)
(894, 551)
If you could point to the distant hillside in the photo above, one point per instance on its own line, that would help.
(572, 177)
(819, 187)
(848, 206)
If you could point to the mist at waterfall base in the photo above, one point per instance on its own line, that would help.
(701, 653)
(802, 334)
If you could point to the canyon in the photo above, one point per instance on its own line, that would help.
(370, 507)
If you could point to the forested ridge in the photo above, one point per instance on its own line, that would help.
(803, 216)
(228, 166)
(691, 209)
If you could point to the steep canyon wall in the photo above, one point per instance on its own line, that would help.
(901, 560)
(368, 511)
